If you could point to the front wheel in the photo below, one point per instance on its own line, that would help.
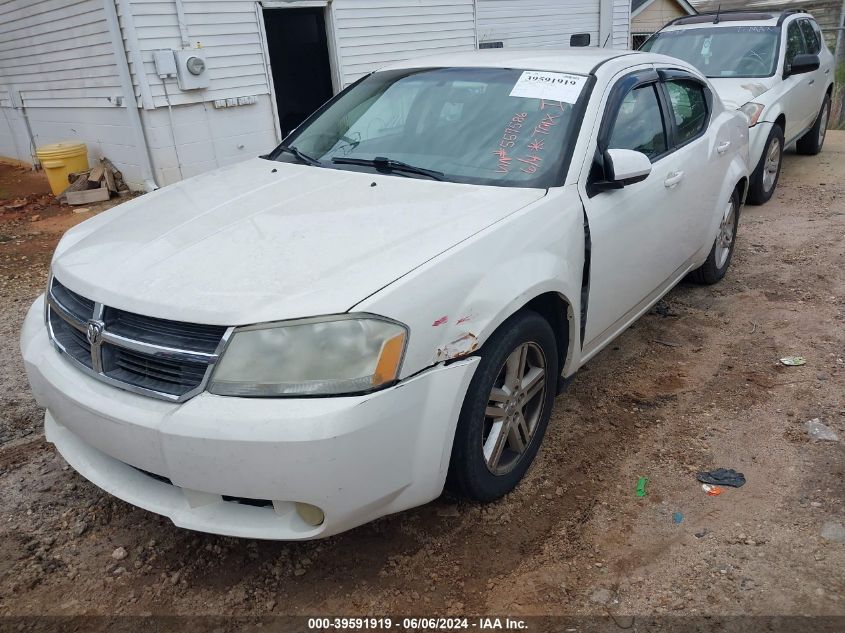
(811, 143)
(766, 175)
(716, 265)
(506, 409)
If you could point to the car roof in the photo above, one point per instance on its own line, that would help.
(571, 60)
(740, 17)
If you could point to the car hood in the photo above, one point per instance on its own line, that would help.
(263, 241)
(735, 92)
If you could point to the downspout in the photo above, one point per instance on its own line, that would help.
(132, 52)
(183, 24)
(17, 102)
(129, 99)
(475, 20)
(605, 23)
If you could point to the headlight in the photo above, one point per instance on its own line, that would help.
(344, 354)
(752, 111)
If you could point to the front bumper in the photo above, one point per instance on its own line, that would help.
(356, 458)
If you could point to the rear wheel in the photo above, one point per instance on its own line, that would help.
(716, 265)
(765, 178)
(506, 409)
(811, 143)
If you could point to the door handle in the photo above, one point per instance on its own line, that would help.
(723, 147)
(673, 179)
(812, 81)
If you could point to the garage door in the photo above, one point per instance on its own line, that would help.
(523, 24)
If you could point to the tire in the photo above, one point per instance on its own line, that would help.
(718, 260)
(764, 181)
(811, 143)
(483, 478)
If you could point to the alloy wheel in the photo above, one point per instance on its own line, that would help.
(771, 165)
(823, 123)
(514, 408)
(724, 241)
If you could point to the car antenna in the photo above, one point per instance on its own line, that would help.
(606, 40)
(718, 11)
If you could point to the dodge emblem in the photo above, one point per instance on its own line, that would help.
(94, 331)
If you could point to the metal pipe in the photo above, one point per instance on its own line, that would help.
(131, 103)
(183, 24)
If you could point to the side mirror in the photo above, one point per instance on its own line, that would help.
(625, 166)
(803, 63)
(617, 168)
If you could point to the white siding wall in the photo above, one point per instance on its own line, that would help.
(227, 30)
(201, 136)
(58, 55)
(206, 137)
(520, 24)
(372, 33)
(621, 23)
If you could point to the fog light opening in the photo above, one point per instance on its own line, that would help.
(312, 515)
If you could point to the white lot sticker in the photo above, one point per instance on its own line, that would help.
(535, 84)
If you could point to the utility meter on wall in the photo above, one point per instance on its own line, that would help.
(191, 70)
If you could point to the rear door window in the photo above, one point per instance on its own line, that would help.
(795, 44)
(689, 109)
(814, 44)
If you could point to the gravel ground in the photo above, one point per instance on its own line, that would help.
(692, 386)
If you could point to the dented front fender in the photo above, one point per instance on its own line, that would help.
(454, 302)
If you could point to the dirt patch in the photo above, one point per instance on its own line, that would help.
(18, 181)
(694, 385)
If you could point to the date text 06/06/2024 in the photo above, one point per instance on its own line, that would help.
(415, 624)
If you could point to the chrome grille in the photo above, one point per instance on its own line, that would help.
(165, 359)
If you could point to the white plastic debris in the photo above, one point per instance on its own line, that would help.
(818, 431)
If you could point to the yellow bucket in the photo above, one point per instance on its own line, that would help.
(60, 160)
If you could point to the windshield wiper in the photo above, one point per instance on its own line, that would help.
(302, 158)
(388, 164)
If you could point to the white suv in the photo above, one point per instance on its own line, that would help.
(774, 66)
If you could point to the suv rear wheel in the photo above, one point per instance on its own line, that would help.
(811, 143)
(766, 175)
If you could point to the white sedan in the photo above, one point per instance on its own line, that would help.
(390, 301)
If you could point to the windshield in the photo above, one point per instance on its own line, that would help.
(735, 51)
(489, 126)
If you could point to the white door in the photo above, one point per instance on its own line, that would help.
(819, 78)
(800, 108)
(640, 234)
(522, 24)
(707, 156)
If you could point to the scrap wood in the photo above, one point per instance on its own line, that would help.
(109, 180)
(96, 174)
(80, 184)
(87, 196)
(119, 183)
